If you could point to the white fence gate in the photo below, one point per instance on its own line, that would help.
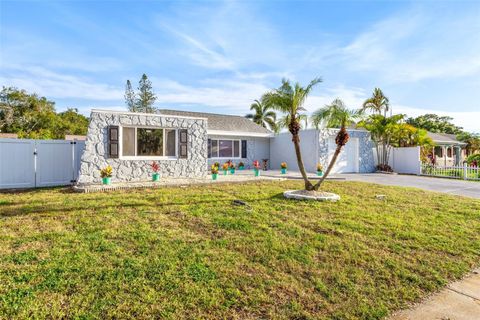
(39, 163)
(456, 172)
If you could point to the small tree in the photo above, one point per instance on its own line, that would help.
(290, 99)
(335, 115)
(144, 99)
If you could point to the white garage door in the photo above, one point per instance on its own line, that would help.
(347, 160)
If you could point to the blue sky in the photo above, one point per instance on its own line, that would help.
(219, 56)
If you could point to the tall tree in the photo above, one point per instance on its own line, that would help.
(263, 115)
(143, 100)
(130, 97)
(31, 116)
(146, 96)
(378, 103)
(335, 115)
(435, 123)
(289, 99)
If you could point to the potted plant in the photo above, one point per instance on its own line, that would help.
(156, 168)
(214, 171)
(319, 169)
(283, 167)
(106, 174)
(232, 168)
(256, 168)
(241, 165)
(225, 168)
(216, 164)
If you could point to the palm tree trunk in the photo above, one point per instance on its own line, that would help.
(301, 167)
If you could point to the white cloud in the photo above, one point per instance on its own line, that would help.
(418, 45)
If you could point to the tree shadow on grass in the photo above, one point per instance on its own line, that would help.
(13, 211)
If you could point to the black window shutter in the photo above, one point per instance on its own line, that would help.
(209, 148)
(113, 141)
(182, 143)
(244, 148)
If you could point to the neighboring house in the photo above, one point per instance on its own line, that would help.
(186, 144)
(74, 137)
(8, 135)
(448, 151)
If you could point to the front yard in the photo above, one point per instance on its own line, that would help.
(191, 253)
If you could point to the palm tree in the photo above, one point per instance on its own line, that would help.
(263, 115)
(285, 120)
(335, 115)
(290, 99)
(377, 102)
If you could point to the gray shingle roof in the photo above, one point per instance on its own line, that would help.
(221, 122)
(444, 138)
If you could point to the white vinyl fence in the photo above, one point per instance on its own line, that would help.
(456, 172)
(28, 163)
(405, 160)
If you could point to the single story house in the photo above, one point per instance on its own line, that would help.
(448, 151)
(186, 144)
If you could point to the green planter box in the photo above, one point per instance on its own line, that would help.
(107, 180)
(284, 170)
(257, 172)
(241, 168)
(224, 172)
(232, 171)
(156, 177)
(319, 173)
(214, 176)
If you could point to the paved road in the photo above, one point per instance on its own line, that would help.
(451, 186)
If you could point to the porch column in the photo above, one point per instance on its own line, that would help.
(444, 155)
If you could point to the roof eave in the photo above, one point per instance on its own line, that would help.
(239, 133)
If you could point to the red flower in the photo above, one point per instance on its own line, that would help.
(155, 167)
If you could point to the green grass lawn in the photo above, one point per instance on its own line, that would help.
(190, 253)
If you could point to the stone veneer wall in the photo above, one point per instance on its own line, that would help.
(365, 152)
(95, 155)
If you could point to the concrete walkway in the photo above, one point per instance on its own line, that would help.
(459, 301)
(450, 186)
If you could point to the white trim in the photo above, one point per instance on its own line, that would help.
(239, 134)
(145, 114)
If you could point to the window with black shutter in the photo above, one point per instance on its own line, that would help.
(244, 148)
(113, 141)
(182, 144)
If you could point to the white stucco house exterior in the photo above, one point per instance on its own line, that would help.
(185, 144)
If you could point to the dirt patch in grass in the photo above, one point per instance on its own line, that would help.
(192, 253)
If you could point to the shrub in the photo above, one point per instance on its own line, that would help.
(106, 172)
(232, 165)
(241, 164)
(473, 159)
(216, 164)
(283, 165)
(319, 167)
(384, 167)
(225, 166)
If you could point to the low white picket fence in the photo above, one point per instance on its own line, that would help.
(456, 172)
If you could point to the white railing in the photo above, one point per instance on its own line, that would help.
(456, 172)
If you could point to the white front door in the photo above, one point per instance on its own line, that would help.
(347, 161)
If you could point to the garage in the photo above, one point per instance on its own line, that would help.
(348, 159)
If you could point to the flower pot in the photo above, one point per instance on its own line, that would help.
(224, 172)
(241, 168)
(319, 173)
(232, 171)
(257, 172)
(284, 170)
(156, 177)
(107, 180)
(214, 176)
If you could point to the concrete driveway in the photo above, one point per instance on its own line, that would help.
(450, 186)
